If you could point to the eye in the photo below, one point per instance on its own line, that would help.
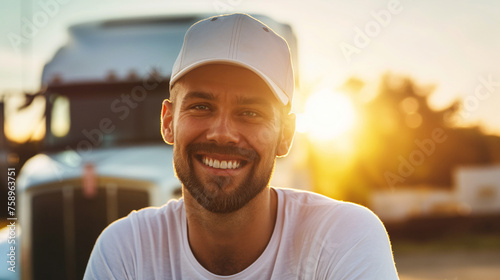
(250, 114)
(200, 107)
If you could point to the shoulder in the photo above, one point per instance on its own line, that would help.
(314, 212)
(119, 245)
(341, 238)
(305, 203)
(124, 232)
(144, 218)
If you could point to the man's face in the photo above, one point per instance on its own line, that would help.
(226, 129)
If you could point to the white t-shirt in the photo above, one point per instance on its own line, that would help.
(315, 237)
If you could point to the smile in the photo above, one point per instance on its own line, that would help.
(221, 164)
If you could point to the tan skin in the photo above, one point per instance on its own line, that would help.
(237, 108)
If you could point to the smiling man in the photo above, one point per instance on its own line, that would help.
(228, 118)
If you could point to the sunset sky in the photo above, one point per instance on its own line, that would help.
(451, 44)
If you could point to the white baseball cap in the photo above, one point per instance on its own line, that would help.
(241, 40)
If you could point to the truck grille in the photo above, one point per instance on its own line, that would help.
(66, 224)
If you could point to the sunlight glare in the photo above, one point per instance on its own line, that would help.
(327, 115)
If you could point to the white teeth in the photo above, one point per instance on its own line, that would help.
(223, 164)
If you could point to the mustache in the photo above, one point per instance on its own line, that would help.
(247, 154)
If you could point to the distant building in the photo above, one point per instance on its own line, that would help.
(476, 191)
(478, 188)
(408, 202)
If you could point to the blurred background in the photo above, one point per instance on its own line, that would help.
(397, 103)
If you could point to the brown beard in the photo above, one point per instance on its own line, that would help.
(220, 201)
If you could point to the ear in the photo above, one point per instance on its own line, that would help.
(287, 133)
(167, 131)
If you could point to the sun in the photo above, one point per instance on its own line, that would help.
(327, 115)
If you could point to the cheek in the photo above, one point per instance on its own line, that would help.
(265, 139)
(186, 130)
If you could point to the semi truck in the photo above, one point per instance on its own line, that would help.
(103, 155)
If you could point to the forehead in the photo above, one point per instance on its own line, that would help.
(226, 81)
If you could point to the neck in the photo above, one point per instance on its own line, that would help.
(226, 244)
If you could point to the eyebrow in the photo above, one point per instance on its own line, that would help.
(240, 100)
(199, 94)
(252, 101)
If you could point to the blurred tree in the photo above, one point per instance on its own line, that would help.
(401, 126)
(403, 142)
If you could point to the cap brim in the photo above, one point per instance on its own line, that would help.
(278, 92)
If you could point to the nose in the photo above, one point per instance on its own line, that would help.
(223, 130)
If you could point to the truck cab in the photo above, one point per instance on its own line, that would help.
(103, 155)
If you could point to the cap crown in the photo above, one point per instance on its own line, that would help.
(241, 40)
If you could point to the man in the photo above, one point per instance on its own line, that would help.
(228, 118)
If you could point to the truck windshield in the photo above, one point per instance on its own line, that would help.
(121, 115)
